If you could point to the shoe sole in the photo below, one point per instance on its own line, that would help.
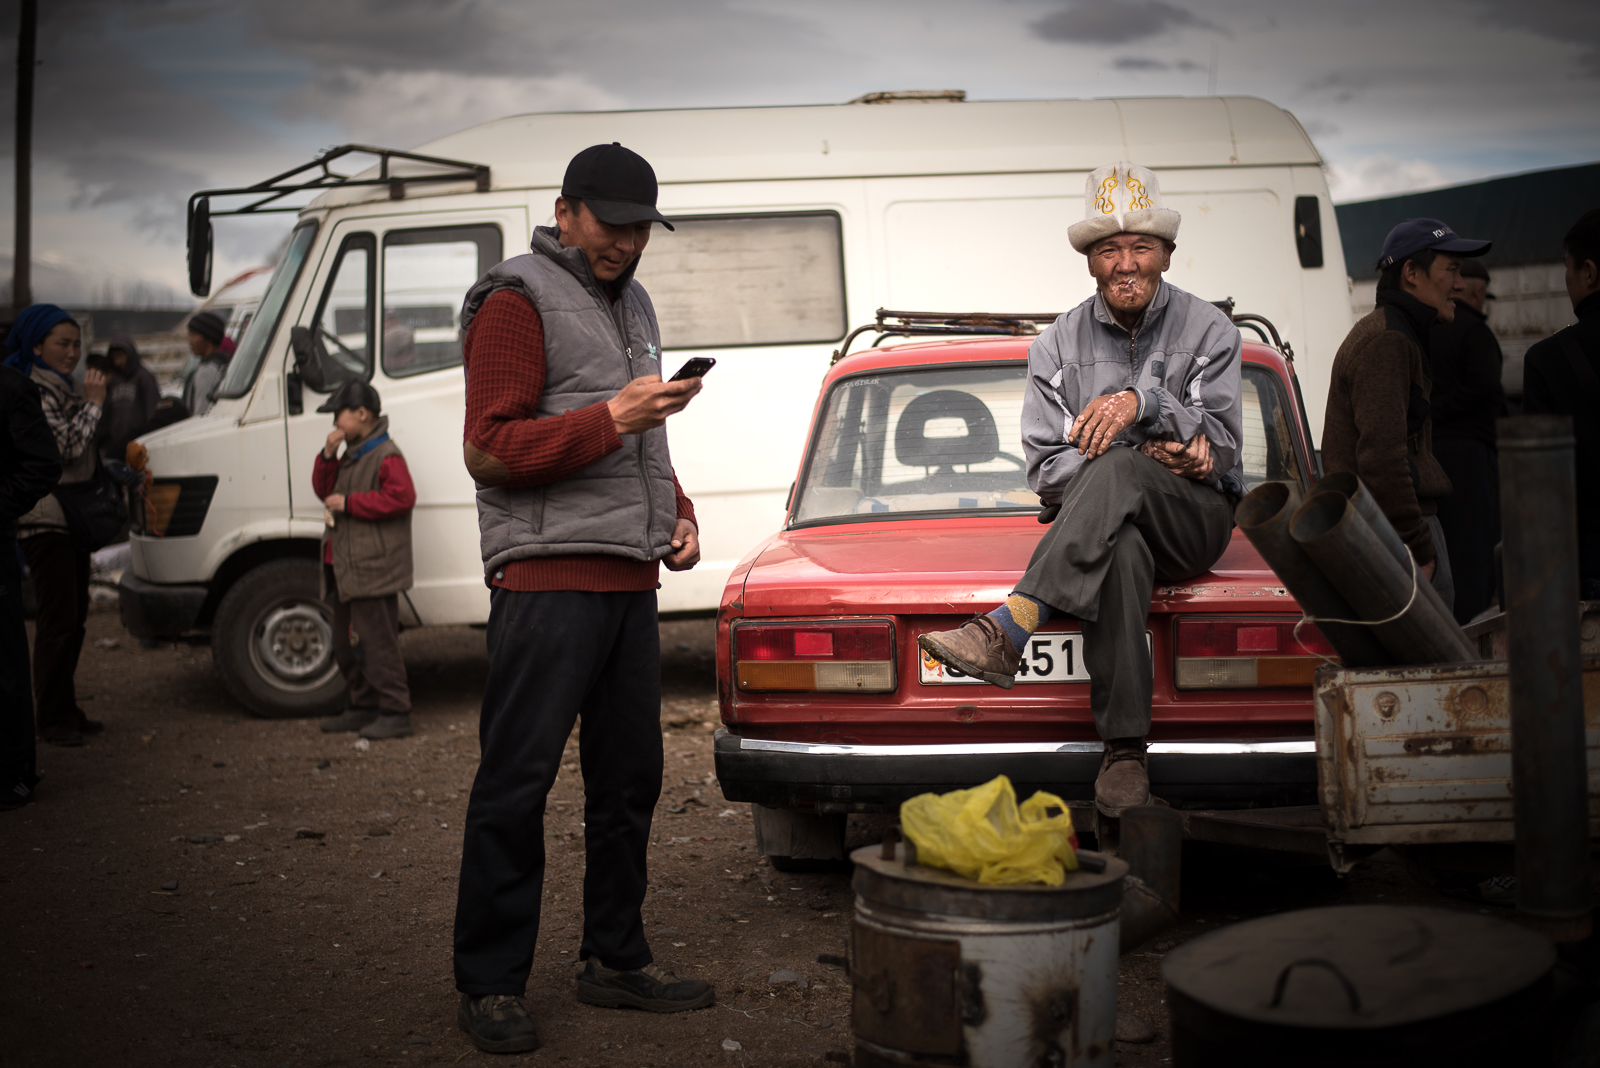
(387, 737)
(607, 998)
(525, 1044)
(944, 656)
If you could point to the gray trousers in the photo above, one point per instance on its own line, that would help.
(1444, 578)
(1125, 522)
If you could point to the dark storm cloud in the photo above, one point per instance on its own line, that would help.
(1559, 20)
(1115, 23)
(101, 116)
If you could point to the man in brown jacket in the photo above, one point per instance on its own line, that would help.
(1378, 424)
(366, 559)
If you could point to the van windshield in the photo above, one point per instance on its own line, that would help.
(246, 363)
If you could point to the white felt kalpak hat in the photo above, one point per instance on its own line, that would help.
(1122, 198)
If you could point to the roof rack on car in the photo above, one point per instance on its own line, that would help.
(945, 324)
(1255, 322)
(948, 324)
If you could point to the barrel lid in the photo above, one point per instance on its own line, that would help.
(916, 888)
(1358, 966)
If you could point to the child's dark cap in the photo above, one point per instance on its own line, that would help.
(354, 394)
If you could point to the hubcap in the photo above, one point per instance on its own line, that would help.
(293, 646)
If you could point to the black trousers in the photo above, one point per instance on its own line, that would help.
(1125, 522)
(1471, 519)
(61, 585)
(553, 657)
(18, 757)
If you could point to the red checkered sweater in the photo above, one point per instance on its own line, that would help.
(504, 356)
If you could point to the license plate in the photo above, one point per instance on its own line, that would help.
(1050, 657)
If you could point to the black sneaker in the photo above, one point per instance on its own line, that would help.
(497, 1023)
(15, 795)
(651, 987)
(351, 719)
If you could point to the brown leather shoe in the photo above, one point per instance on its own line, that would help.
(979, 648)
(1124, 779)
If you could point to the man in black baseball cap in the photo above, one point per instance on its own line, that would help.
(1378, 423)
(578, 508)
(615, 183)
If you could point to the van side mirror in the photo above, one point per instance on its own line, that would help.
(1308, 231)
(200, 242)
(310, 359)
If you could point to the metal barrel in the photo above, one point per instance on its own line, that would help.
(1354, 559)
(1549, 775)
(1264, 517)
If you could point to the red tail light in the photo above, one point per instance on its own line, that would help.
(1230, 654)
(812, 641)
(848, 656)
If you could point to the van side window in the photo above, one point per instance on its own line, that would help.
(426, 275)
(344, 318)
(723, 280)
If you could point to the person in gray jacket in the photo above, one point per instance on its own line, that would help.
(1131, 426)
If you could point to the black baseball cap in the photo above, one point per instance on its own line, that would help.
(617, 183)
(353, 394)
(1415, 235)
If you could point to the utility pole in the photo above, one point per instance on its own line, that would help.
(22, 251)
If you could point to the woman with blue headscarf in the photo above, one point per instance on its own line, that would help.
(45, 344)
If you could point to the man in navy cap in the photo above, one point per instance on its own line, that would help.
(578, 507)
(1378, 423)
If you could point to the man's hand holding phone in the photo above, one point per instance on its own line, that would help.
(645, 403)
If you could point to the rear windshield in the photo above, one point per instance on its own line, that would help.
(948, 440)
(939, 439)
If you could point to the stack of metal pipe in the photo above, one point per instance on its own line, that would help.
(1342, 560)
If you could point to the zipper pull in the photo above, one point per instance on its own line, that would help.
(630, 352)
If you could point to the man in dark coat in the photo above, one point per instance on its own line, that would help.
(1561, 376)
(131, 396)
(30, 466)
(1378, 425)
(1467, 398)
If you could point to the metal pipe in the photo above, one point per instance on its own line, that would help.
(1347, 483)
(1354, 559)
(1264, 517)
(22, 218)
(1152, 845)
(1549, 773)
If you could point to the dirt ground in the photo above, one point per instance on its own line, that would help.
(131, 939)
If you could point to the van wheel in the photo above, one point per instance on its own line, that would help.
(798, 841)
(272, 643)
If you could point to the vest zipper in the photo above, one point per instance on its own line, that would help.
(619, 320)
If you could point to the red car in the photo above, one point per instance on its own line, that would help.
(911, 513)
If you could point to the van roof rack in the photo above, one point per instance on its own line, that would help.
(270, 190)
(945, 324)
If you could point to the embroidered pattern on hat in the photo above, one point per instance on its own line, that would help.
(1103, 197)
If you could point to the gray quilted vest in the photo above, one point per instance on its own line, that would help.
(622, 504)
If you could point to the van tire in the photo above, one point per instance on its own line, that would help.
(795, 840)
(272, 643)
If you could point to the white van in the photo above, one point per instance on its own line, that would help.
(794, 223)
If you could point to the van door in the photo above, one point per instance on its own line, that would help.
(388, 308)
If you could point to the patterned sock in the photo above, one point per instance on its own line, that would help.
(1019, 617)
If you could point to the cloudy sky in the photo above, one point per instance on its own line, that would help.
(140, 102)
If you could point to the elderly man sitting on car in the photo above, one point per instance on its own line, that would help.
(1131, 425)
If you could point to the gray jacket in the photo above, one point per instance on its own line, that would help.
(1183, 358)
(624, 504)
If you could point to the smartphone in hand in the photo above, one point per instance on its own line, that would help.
(695, 368)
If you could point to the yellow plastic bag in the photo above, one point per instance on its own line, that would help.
(982, 834)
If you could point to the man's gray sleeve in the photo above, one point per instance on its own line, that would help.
(1209, 401)
(1046, 418)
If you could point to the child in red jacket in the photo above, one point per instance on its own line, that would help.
(366, 560)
